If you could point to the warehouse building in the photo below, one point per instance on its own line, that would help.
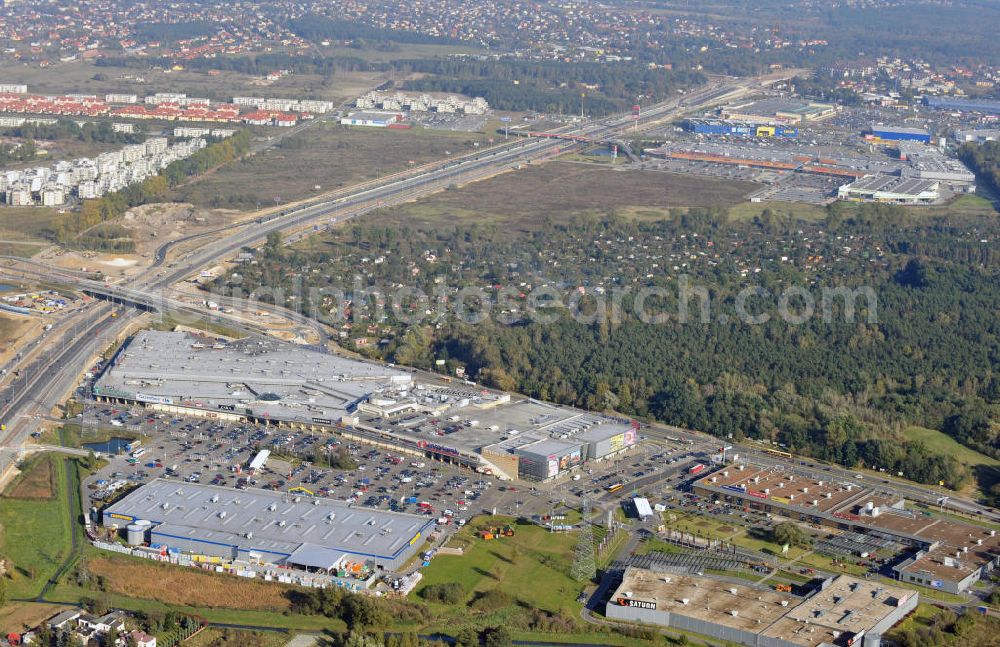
(778, 111)
(890, 189)
(986, 106)
(948, 555)
(897, 133)
(266, 527)
(372, 119)
(977, 135)
(738, 128)
(841, 611)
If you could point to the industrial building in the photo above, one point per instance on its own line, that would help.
(897, 133)
(840, 611)
(948, 555)
(266, 527)
(986, 106)
(778, 111)
(371, 118)
(977, 135)
(890, 189)
(738, 128)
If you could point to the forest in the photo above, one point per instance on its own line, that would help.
(548, 86)
(984, 160)
(838, 389)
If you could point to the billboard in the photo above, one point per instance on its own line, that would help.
(625, 439)
(553, 468)
(153, 399)
(572, 459)
(641, 604)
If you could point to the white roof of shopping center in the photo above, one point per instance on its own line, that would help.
(274, 379)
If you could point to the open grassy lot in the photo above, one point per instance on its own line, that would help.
(940, 443)
(35, 535)
(26, 224)
(20, 616)
(533, 555)
(793, 210)
(214, 637)
(556, 190)
(963, 205)
(327, 155)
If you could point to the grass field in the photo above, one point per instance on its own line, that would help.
(327, 155)
(214, 637)
(19, 225)
(794, 210)
(532, 555)
(35, 535)
(558, 190)
(940, 443)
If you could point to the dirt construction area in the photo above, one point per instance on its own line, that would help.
(150, 226)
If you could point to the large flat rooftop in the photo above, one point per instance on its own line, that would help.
(846, 606)
(276, 522)
(966, 545)
(266, 377)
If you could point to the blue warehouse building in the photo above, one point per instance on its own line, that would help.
(898, 134)
(738, 128)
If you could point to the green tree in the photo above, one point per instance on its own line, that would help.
(496, 637)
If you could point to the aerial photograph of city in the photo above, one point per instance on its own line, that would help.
(483, 323)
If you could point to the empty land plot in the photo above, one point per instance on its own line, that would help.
(26, 224)
(941, 443)
(37, 481)
(560, 189)
(215, 637)
(136, 578)
(532, 555)
(22, 616)
(23, 524)
(327, 155)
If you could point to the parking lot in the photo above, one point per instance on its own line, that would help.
(326, 465)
